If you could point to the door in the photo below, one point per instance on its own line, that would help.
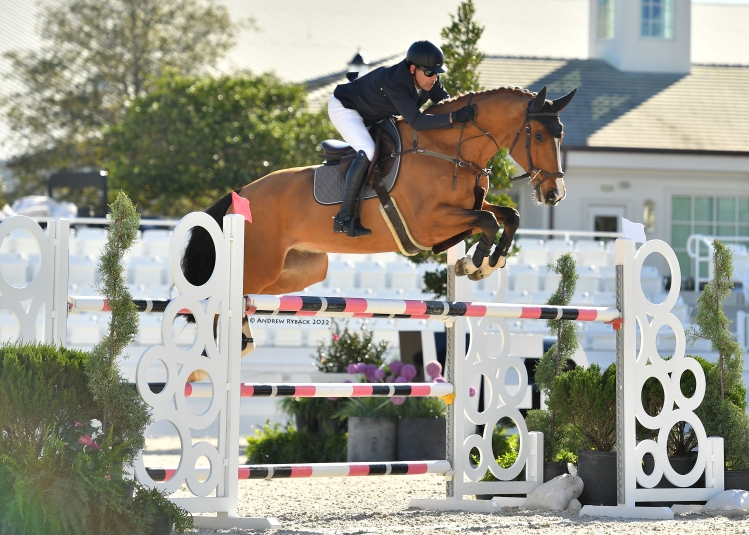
(605, 218)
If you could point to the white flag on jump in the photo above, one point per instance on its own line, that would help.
(633, 231)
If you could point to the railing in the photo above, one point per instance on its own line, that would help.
(696, 244)
(567, 234)
(105, 221)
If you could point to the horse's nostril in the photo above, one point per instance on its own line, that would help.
(551, 197)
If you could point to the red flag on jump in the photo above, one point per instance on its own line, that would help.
(241, 206)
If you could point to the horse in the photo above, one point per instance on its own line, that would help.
(286, 246)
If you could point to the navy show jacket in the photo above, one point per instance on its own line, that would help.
(388, 91)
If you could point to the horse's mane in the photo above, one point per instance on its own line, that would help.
(511, 89)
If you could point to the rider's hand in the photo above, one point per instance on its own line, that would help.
(464, 114)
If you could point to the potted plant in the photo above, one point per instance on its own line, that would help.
(585, 399)
(723, 409)
(554, 362)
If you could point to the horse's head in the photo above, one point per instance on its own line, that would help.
(541, 156)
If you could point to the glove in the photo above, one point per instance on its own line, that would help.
(464, 114)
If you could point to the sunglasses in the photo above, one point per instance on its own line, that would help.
(427, 72)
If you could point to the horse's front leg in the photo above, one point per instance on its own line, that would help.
(509, 218)
(477, 266)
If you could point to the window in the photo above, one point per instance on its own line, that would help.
(605, 19)
(712, 216)
(657, 18)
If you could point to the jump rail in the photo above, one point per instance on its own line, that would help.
(281, 471)
(321, 390)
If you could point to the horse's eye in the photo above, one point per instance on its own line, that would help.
(539, 137)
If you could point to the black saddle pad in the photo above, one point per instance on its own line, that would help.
(329, 180)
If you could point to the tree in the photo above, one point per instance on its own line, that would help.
(462, 55)
(97, 56)
(190, 140)
(554, 361)
(462, 58)
(712, 322)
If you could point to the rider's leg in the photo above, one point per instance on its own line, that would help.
(351, 126)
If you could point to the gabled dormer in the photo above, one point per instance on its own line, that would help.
(642, 35)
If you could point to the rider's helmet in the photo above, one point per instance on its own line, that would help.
(427, 55)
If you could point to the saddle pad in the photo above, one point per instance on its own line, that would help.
(329, 183)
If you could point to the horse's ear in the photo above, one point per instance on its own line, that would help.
(539, 100)
(561, 103)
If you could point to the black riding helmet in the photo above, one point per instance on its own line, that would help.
(427, 55)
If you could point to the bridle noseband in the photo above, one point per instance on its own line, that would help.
(533, 171)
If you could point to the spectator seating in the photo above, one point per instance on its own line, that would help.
(14, 267)
(371, 275)
(403, 276)
(608, 279)
(341, 274)
(146, 270)
(83, 269)
(556, 248)
(84, 329)
(524, 277)
(591, 253)
(90, 240)
(532, 251)
(155, 242)
(652, 282)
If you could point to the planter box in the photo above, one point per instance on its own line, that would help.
(371, 440)
(422, 439)
(597, 469)
(737, 479)
(553, 469)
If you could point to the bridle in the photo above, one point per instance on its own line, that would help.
(479, 171)
(533, 171)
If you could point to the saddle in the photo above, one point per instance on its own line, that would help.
(330, 177)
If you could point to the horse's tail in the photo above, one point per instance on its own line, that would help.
(199, 257)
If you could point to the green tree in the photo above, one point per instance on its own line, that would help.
(190, 140)
(712, 322)
(555, 360)
(96, 56)
(462, 55)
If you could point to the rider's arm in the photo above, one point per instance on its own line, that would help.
(411, 114)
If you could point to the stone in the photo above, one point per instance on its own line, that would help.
(731, 503)
(555, 495)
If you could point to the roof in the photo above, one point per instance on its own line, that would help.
(705, 110)
(314, 41)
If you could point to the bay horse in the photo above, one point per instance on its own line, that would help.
(286, 246)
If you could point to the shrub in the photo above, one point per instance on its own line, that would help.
(585, 399)
(349, 347)
(273, 445)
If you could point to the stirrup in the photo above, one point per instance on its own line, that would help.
(355, 228)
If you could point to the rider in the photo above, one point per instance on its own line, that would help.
(386, 91)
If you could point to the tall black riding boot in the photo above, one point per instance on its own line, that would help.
(345, 220)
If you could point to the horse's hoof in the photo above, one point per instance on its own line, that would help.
(481, 273)
(501, 262)
(476, 276)
(464, 266)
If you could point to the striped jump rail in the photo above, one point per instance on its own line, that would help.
(100, 304)
(282, 471)
(322, 390)
(351, 307)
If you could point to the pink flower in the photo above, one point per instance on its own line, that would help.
(96, 447)
(84, 439)
(434, 369)
(336, 337)
(395, 367)
(108, 477)
(79, 424)
(398, 400)
(471, 391)
(333, 399)
(409, 372)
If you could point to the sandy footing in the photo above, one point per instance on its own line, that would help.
(361, 505)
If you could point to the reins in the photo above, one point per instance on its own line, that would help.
(475, 168)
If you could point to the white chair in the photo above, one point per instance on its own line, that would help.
(341, 275)
(403, 276)
(482, 296)
(91, 240)
(288, 337)
(149, 329)
(9, 328)
(14, 268)
(583, 299)
(22, 242)
(591, 253)
(148, 271)
(551, 281)
(588, 279)
(524, 277)
(556, 248)
(611, 250)
(518, 297)
(652, 282)
(83, 329)
(540, 298)
(604, 299)
(82, 269)
(608, 278)
(740, 260)
(601, 337)
(418, 295)
(155, 242)
(385, 330)
(392, 293)
(491, 283)
(317, 336)
(532, 251)
(372, 275)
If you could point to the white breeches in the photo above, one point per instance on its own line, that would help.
(351, 126)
